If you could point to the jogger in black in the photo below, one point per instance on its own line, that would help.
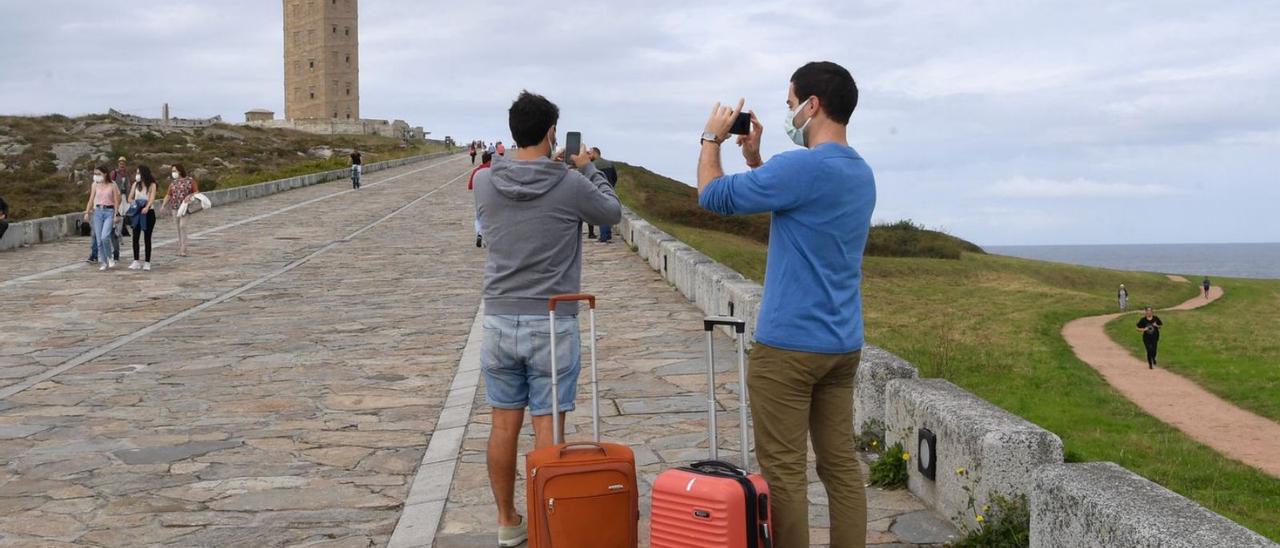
(1149, 326)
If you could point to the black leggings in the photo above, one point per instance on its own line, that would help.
(148, 225)
(1151, 344)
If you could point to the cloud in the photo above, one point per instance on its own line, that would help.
(1025, 187)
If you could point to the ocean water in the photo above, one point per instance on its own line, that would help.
(1195, 260)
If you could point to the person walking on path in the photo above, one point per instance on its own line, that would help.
(492, 149)
(485, 161)
(530, 207)
(1123, 296)
(101, 211)
(142, 196)
(357, 167)
(1149, 325)
(611, 173)
(1205, 284)
(121, 177)
(114, 176)
(809, 335)
(181, 188)
(472, 151)
(4, 217)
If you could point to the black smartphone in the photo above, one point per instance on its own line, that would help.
(742, 125)
(572, 146)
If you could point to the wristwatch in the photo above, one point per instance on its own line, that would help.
(709, 136)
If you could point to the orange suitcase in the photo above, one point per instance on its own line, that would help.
(714, 504)
(581, 495)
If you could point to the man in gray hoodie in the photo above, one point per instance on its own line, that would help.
(531, 209)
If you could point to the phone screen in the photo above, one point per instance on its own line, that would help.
(742, 125)
(572, 146)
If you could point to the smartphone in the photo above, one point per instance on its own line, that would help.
(572, 146)
(742, 125)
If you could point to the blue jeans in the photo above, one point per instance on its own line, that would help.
(606, 233)
(93, 242)
(516, 361)
(104, 233)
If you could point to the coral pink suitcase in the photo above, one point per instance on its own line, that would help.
(713, 504)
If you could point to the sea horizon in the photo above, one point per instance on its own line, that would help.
(1236, 260)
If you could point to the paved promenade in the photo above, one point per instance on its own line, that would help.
(304, 376)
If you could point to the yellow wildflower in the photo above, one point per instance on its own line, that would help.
(906, 455)
(986, 507)
(873, 443)
(980, 518)
(959, 471)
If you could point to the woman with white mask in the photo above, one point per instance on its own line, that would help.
(181, 188)
(143, 196)
(102, 213)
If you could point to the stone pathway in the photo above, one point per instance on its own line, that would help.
(293, 413)
(653, 394)
(282, 385)
(1172, 398)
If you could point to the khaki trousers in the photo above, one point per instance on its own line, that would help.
(797, 396)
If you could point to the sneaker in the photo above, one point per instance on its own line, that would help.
(111, 264)
(514, 535)
(135, 265)
(146, 266)
(102, 268)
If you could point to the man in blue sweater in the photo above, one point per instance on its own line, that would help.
(809, 335)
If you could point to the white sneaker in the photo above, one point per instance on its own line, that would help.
(102, 268)
(135, 265)
(111, 264)
(147, 266)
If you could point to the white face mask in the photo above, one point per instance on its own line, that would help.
(796, 133)
(98, 178)
(174, 175)
(137, 178)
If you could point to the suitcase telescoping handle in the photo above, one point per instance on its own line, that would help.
(740, 329)
(557, 436)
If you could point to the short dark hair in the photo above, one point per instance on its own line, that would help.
(831, 84)
(486, 157)
(530, 117)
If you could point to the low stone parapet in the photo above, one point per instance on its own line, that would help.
(981, 450)
(1101, 504)
(875, 370)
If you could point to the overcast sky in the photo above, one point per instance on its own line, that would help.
(1001, 122)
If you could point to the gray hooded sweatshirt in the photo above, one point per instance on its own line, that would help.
(530, 213)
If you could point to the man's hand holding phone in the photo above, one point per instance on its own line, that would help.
(722, 119)
(750, 142)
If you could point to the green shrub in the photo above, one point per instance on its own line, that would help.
(890, 470)
(1004, 523)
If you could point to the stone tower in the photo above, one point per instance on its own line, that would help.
(321, 60)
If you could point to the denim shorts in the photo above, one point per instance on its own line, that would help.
(516, 361)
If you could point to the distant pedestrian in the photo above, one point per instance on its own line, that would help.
(492, 149)
(485, 161)
(142, 199)
(473, 153)
(1205, 285)
(610, 173)
(181, 188)
(121, 177)
(357, 167)
(115, 234)
(1123, 296)
(4, 217)
(101, 211)
(1149, 326)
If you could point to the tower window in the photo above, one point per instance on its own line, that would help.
(335, 29)
(311, 64)
(348, 59)
(348, 92)
(313, 95)
(347, 31)
(335, 114)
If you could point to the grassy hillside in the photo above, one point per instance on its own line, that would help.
(992, 325)
(1229, 347)
(47, 161)
(660, 199)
